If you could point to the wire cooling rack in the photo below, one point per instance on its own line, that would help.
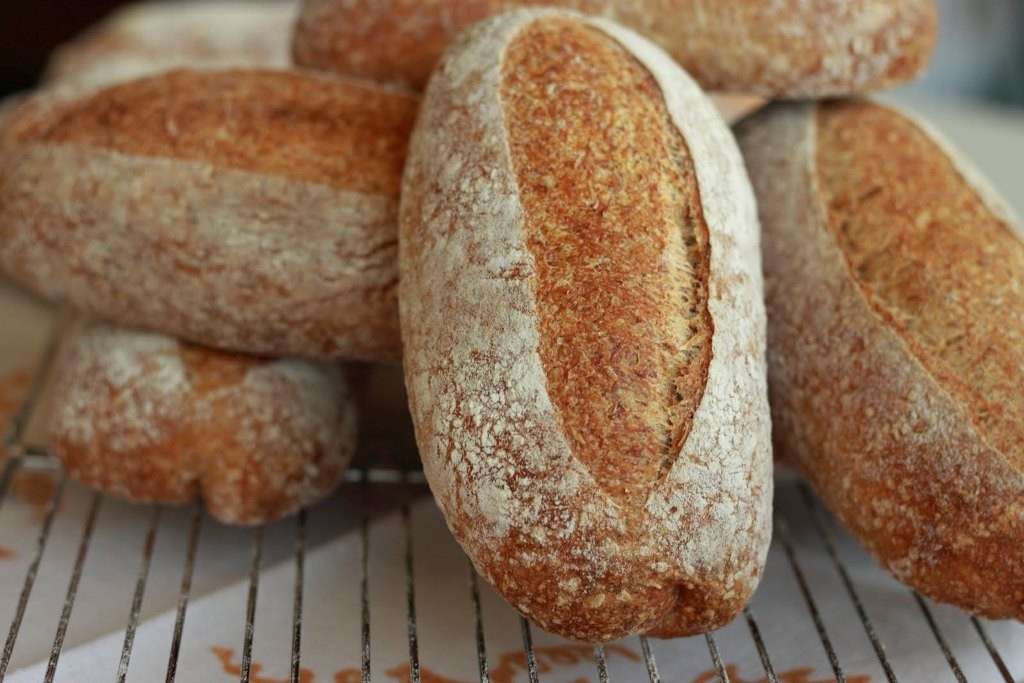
(828, 594)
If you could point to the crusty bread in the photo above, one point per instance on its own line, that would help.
(250, 210)
(788, 48)
(583, 329)
(896, 342)
(150, 37)
(148, 419)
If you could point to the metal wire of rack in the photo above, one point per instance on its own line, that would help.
(21, 457)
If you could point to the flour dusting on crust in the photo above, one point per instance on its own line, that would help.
(261, 264)
(529, 514)
(892, 452)
(773, 48)
(142, 372)
(147, 418)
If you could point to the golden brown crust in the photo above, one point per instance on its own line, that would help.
(269, 198)
(934, 271)
(563, 546)
(148, 419)
(350, 37)
(612, 242)
(793, 48)
(350, 136)
(862, 395)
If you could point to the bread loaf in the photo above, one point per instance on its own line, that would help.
(148, 419)
(787, 48)
(896, 341)
(582, 322)
(250, 210)
(150, 37)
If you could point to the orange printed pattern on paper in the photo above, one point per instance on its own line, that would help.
(509, 665)
(403, 674)
(549, 658)
(513, 665)
(226, 657)
(802, 675)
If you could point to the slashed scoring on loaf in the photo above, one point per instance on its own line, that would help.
(614, 227)
(531, 515)
(348, 135)
(891, 449)
(938, 267)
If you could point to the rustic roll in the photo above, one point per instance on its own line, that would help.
(583, 329)
(150, 37)
(249, 210)
(787, 49)
(146, 418)
(896, 342)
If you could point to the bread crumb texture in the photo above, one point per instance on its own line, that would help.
(344, 134)
(934, 260)
(614, 225)
(146, 418)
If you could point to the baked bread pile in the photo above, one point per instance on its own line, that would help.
(560, 239)
(234, 223)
